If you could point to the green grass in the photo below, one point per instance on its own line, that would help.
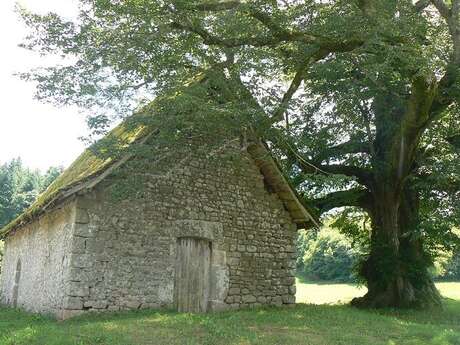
(302, 324)
(327, 293)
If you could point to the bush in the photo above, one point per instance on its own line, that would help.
(305, 240)
(447, 267)
(453, 268)
(326, 255)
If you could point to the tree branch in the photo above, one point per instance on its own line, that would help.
(440, 104)
(299, 76)
(454, 29)
(217, 6)
(443, 100)
(454, 140)
(277, 34)
(280, 32)
(362, 175)
(367, 6)
(276, 30)
(349, 147)
(295, 84)
(357, 197)
(367, 122)
(308, 166)
(213, 40)
(421, 5)
(442, 8)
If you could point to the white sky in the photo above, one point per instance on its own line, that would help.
(42, 135)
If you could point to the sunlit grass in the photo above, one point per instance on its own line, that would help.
(303, 324)
(320, 293)
(326, 293)
(449, 290)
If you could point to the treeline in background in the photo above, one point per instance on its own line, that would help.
(322, 255)
(19, 187)
(329, 256)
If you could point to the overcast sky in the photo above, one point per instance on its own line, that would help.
(42, 135)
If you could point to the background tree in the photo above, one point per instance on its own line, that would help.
(325, 256)
(19, 187)
(357, 97)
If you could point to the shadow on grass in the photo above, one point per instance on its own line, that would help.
(304, 280)
(449, 315)
(302, 324)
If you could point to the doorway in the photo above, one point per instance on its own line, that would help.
(192, 282)
(17, 278)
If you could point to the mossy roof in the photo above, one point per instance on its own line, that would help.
(87, 166)
(92, 163)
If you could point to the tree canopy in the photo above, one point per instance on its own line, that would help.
(358, 98)
(20, 186)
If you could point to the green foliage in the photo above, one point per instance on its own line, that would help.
(176, 114)
(371, 109)
(305, 240)
(447, 266)
(452, 269)
(19, 187)
(327, 256)
(355, 225)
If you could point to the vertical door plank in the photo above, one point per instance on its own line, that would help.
(192, 283)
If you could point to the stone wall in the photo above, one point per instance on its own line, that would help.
(36, 262)
(123, 252)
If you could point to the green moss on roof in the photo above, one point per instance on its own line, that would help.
(89, 164)
(96, 159)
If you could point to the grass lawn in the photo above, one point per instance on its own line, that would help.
(327, 293)
(302, 324)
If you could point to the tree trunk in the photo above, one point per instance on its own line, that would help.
(396, 270)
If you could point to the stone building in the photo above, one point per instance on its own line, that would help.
(203, 235)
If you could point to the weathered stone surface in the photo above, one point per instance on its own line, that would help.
(262, 299)
(79, 245)
(81, 216)
(251, 249)
(82, 230)
(249, 299)
(288, 299)
(99, 304)
(120, 254)
(277, 300)
(44, 249)
(234, 291)
(82, 260)
(74, 303)
(77, 289)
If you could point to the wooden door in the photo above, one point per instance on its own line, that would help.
(192, 284)
(17, 278)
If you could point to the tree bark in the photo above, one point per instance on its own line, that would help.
(396, 269)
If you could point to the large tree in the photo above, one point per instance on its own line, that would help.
(358, 98)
